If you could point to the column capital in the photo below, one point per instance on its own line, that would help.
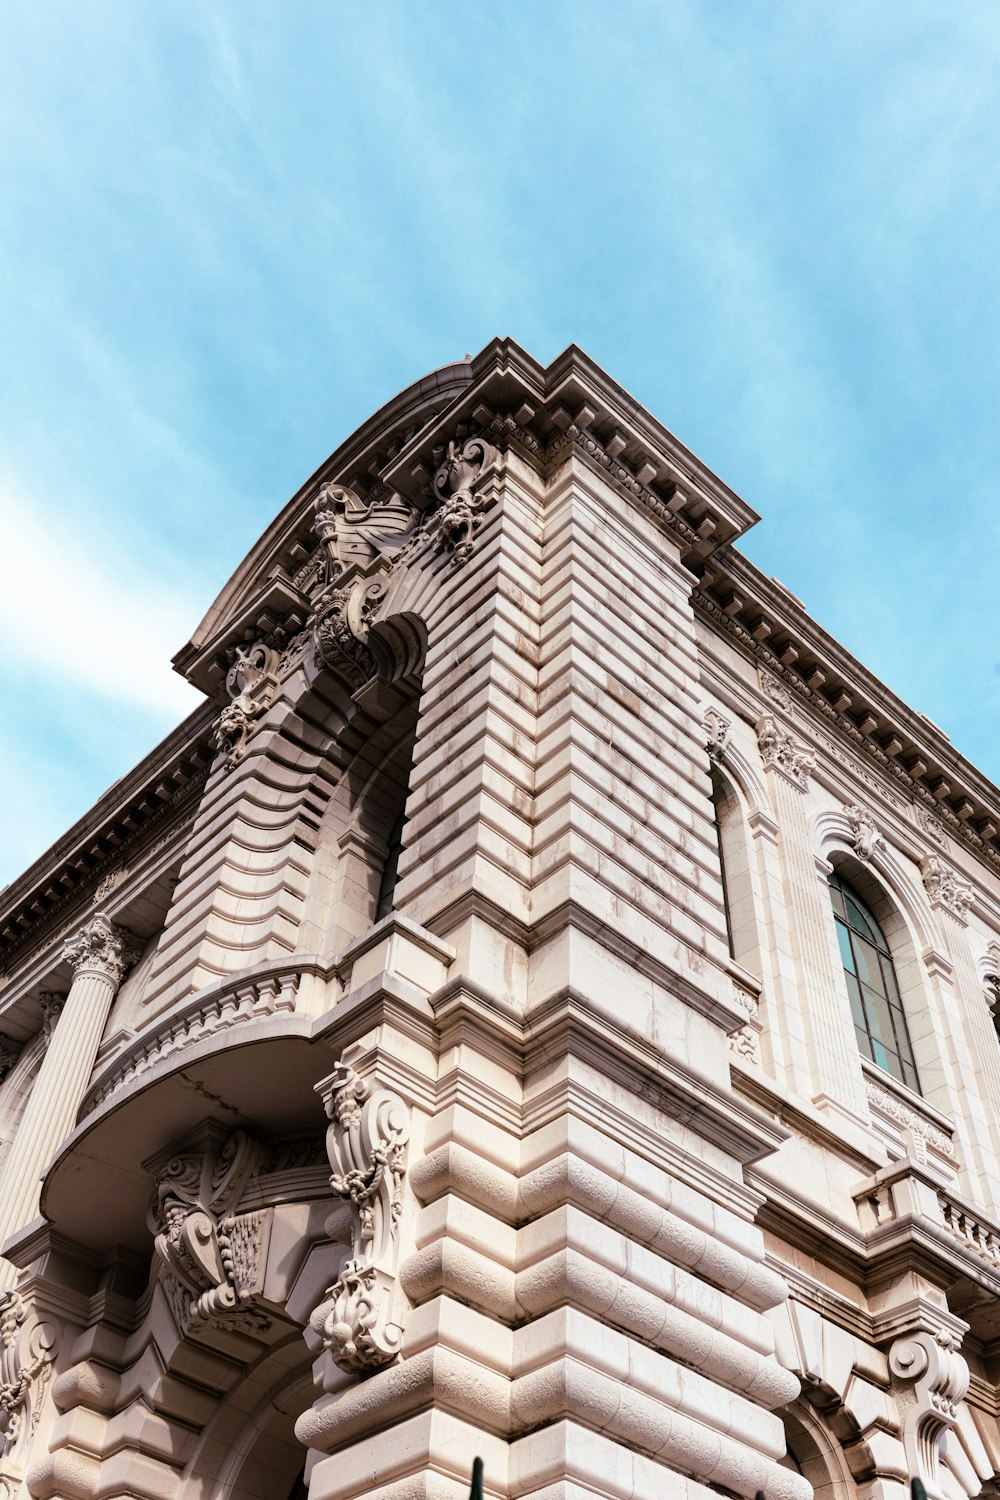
(100, 947)
(781, 752)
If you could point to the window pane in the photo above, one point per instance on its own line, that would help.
(876, 1007)
(867, 966)
(844, 939)
(858, 920)
(857, 1009)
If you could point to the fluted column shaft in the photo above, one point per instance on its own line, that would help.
(99, 958)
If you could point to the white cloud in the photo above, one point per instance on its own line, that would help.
(76, 613)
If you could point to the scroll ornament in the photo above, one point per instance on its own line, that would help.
(932, 1380)
(781, 752)
(10, 1051)
(717, 728)
(252, 684)
(455, 483)
(215, 1255)
(27, 1348)
(864, 832)
(366, 1143)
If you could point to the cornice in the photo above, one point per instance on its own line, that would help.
(147, 803)
(771, 628)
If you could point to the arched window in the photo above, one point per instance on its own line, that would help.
(739, 904)
(879, 1022)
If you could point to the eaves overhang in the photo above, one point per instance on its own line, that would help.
(136, 811)
(773, 628)
(545, 413)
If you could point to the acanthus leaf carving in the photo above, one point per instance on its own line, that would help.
(101, 947)
(340, 629)
(931, 1381)
(366, 1144)
(865, 833)
(781, 752)
(27, 1347)
(252, 685)
(455, 482)
(214, 1254)
(946, 889)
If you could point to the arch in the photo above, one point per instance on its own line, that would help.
(901, 910)
(739, 885)
(815, 1449)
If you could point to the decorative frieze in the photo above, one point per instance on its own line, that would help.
(946, 889)
(455, 483)
(925, 1132)
(216, 1255)
(101, 948)
(27, 1348)
(110, 883)
(865, 833)
(781, 752)
(359, 1322)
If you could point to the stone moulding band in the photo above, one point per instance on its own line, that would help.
(271, 990)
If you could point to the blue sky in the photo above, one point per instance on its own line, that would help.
(229, 231)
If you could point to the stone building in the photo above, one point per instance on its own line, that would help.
(540, 1005)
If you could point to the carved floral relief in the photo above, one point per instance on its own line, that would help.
(359, 1321)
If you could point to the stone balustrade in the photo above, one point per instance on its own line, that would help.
(273, 989)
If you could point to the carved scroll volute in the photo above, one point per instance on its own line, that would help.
(359, 1322)
(214, 1255)
(931, 1381)
(27, 1348)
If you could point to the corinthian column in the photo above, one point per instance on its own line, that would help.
(99, 956)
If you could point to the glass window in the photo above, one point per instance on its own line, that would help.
(879, 1022)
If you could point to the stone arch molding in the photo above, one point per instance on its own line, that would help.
(897, 1412)
(725, 753)
(853, 831)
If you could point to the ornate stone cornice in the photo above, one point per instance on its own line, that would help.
(101, 948)
(793, 651)
(781, 752)
(947, 890)
(370, 1126)
(865, 833)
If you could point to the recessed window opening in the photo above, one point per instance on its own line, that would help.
(879, 1020)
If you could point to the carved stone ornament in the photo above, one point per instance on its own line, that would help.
(27, 1348)
(252, 684)
(774, 690)
(931, 1381)
(110, 882)
(101, 948)
(946, 889)
(52, 1008)
(925, 1132)
(340, 629)
(718, 734)
(355, 535)
(865, 834)
(455, 483)
(10, 1051)
(214, 1254)
(782, 752)
(366, 1143)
